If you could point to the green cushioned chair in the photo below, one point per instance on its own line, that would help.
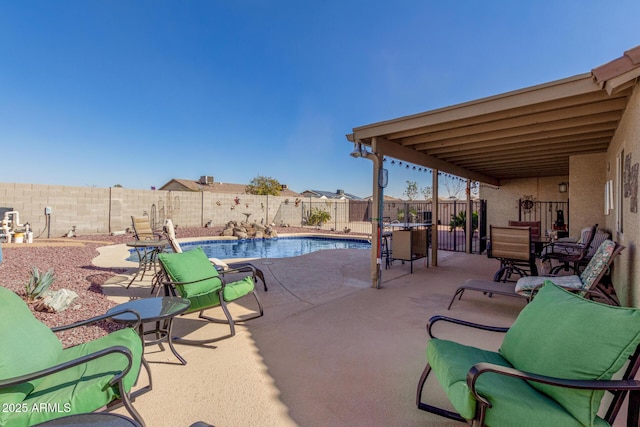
(41, 381)
(191, 275)
(552, 369)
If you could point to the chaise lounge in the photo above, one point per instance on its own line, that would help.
(588, 281)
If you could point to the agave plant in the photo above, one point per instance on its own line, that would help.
(38, 283)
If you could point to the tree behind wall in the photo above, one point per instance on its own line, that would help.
(264, 186)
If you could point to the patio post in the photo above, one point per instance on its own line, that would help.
(434, 219)
(376, 222)
(469, 225)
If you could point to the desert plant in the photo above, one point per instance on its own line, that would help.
(460, 220)
(38, 284)
(318, 217)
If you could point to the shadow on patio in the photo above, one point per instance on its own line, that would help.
(330, 350)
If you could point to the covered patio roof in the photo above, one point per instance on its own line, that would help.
(530, 132)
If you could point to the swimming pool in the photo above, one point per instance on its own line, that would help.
(281, 247)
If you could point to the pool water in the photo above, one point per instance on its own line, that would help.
(281, 247)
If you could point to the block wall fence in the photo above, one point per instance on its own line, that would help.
(106, 210)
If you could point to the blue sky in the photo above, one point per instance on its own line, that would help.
(99, 93)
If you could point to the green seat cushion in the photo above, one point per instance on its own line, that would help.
(232, 291)
(83, 388)
(563, 335)
(191, 266)
(33, 347)
(450, 362)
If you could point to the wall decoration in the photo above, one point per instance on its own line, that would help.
(630, 183)
(527, 203)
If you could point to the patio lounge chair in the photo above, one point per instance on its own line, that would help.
(569, 254)
(191, 276)
(543, 374)
(588, 281)
(223, 267)
(36, 372)
(512, 247)
(534, 226)
(142, 229)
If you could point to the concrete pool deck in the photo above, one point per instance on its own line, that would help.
(330, 350)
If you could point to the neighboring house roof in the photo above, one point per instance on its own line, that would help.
(214, 187)
(526, 133)
(340, 194)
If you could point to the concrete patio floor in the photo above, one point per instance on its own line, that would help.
(330, 350)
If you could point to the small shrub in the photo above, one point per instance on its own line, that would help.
(318, 217)
(38, 284)
(460, 220)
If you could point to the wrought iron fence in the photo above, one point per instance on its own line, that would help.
(552, 215)
(451, 219)
(354, 216)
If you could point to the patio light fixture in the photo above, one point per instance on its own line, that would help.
(359, 150)
(563, 186)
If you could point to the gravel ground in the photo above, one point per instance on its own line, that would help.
(73, 270)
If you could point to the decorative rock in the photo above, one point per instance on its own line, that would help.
(56, 301)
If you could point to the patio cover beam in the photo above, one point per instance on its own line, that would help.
(388, 148)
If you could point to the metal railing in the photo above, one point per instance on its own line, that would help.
(552, 215)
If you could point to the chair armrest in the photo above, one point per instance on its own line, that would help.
(217, 276)
(565, 248)
(240, 269)
(436, 319)
(483, 368)
(75, 362)
(97, 319)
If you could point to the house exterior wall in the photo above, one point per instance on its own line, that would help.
(587, 177)
(625, 274)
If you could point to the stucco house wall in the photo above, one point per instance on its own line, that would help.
(587, 177)
(627, 138)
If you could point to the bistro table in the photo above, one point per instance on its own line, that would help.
(410, 241)
(160, 309)
(147, 251)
